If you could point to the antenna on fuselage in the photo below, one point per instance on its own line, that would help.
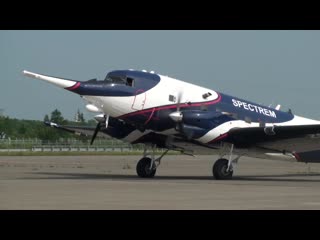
(276, 108)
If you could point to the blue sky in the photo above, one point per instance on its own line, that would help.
(267, 67)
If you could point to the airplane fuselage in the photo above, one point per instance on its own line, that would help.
(151, 98)
(151, 108)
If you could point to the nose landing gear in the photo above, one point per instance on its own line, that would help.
(220, 169)
(147, 167)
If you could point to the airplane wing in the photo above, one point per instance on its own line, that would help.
(299, 139)
(78, 130)
(289, 138)
(179, 144)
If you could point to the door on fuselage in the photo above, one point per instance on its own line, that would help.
(139, 100)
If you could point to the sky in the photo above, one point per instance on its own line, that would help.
(266, 67)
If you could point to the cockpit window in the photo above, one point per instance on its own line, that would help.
(130, 82)
(118, 79)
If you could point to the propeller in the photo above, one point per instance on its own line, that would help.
(95, 132)
(179, 97)
(98, 127)
(177, 115)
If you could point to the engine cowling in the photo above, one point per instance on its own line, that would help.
(196, 123)
(201, 119)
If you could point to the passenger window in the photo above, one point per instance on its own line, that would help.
(172, 98)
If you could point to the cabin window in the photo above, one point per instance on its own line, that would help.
(206, 95)
(172, 98)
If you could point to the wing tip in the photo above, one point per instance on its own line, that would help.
(50, 124)
(29, 74)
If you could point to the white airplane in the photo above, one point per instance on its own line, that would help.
(163, 112)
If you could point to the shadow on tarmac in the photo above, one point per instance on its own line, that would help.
(292, 177)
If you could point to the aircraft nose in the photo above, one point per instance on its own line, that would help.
(60, 82)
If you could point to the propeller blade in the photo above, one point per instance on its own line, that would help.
(179, 97)
(95, 132)
(107, 120)
(177, 115)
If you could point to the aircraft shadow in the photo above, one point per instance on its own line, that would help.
(279, 177)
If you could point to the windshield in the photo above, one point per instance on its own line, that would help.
(119, 79)
(116, 79)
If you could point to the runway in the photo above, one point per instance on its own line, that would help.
(181, 182)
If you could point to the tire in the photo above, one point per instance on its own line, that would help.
(143, 168)
(219, 170)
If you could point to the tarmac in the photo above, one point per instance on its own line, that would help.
(181, 182)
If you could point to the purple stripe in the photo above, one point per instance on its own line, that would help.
(170, 107)
(75, 86)
(219, 138)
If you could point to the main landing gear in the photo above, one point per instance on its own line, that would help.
(147, 167)
(223, 168)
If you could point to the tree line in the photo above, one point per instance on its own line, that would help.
(18, 128)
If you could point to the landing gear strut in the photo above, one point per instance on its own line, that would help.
(223, 168)
(147, 167)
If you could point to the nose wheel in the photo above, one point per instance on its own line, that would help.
(220, 170)
(147, 167)
(144, 168)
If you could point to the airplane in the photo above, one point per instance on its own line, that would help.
(163, 112)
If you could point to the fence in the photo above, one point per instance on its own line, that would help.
(68, 145)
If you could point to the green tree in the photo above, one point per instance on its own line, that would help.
(22, 129)
(80, 117)
(57, 117)
(92, 122)
(46, 118)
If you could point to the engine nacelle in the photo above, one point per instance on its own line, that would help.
(191, 131)
(201, 119)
